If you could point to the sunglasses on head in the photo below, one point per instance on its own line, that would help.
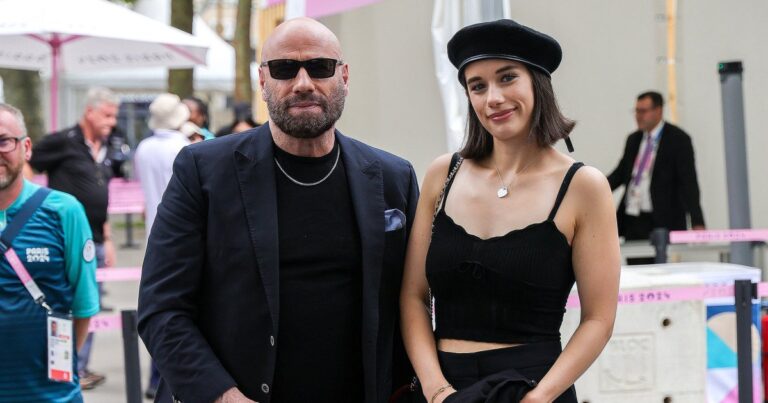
(286, 69)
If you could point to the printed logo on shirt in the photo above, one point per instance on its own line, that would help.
(38, 255)
(89, 251)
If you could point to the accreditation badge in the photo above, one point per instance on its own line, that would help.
(60, 346)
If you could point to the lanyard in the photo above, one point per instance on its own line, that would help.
(25, 278)
(651, 145)
(9, 234)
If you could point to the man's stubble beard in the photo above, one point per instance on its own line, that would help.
(305, 125)
(10, 175)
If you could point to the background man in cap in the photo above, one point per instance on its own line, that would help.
(79, 160)
(153, 160)
(659, 175)
(56, 249)
(273, 270)
(153, 167)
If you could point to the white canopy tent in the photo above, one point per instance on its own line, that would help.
(216, 75)
(53, 36)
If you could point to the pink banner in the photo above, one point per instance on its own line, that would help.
(321, 8)
(118, 274)
(669, 295)
(728, 235)
(100, 323)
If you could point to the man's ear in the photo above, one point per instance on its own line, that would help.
(345, 77)
(27, 144)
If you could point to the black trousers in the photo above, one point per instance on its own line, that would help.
(500, 375)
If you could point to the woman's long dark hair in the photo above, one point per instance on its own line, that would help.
(548, 124)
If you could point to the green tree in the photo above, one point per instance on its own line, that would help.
(180, 81)
(22, 90)
(243, 52)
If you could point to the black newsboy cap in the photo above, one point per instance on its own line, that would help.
(504, 39)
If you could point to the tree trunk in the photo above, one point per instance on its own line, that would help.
(22, 90)
(243, 52)
(180, 81)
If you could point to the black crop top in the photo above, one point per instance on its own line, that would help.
(506, 289)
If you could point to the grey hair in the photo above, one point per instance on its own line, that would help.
(16, 114)
(100, 95)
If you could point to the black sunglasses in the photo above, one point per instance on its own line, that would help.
(286, 69)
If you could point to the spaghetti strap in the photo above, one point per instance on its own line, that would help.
(564, 188)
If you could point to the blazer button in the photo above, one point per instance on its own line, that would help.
(272, 340)
(265, 388)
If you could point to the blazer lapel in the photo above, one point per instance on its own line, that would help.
(366, 187)
(256, 178)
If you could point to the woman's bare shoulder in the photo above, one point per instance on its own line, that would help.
(437, 172)
(591, 190)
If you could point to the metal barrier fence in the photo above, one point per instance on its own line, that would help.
(743, 292)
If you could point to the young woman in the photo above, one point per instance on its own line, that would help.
(503, 230)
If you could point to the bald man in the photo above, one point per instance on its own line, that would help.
(273, 269)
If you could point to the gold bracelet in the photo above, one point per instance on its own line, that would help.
(439, 391)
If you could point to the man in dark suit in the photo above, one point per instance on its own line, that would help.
(273, 268)
(659, 175)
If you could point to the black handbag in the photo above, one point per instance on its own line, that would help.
(410, 393)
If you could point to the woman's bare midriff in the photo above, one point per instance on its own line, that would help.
(468, 346)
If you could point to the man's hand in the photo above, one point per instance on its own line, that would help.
(233, 395)
(81, 331)
(109, 253)
(109, 247)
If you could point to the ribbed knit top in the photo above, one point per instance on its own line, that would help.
(506, 289)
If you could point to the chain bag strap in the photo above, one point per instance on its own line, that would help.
(456, 161)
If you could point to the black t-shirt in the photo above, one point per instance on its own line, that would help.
(319, 347)
(71, 169)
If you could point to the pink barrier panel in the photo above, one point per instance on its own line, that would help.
(100, 323)
(728, 235)
(125, 197)
(118, 274)
(667, 295)
(762, 289)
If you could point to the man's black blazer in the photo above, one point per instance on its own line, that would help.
(674, 186)
(208, 303)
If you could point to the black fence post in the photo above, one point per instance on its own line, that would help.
(129, 232)
(660, 241)
(131, 356)
(743, 302)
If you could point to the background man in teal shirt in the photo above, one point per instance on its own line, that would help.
(56, 248)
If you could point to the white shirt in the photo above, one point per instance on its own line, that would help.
(639, 195)
(153, 167)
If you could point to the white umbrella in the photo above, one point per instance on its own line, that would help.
(83, 35)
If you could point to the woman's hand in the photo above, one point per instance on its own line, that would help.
(532, 397)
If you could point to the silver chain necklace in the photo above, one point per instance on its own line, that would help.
(333, 168)
(504, 189)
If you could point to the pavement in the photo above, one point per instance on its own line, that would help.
(107, 355)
